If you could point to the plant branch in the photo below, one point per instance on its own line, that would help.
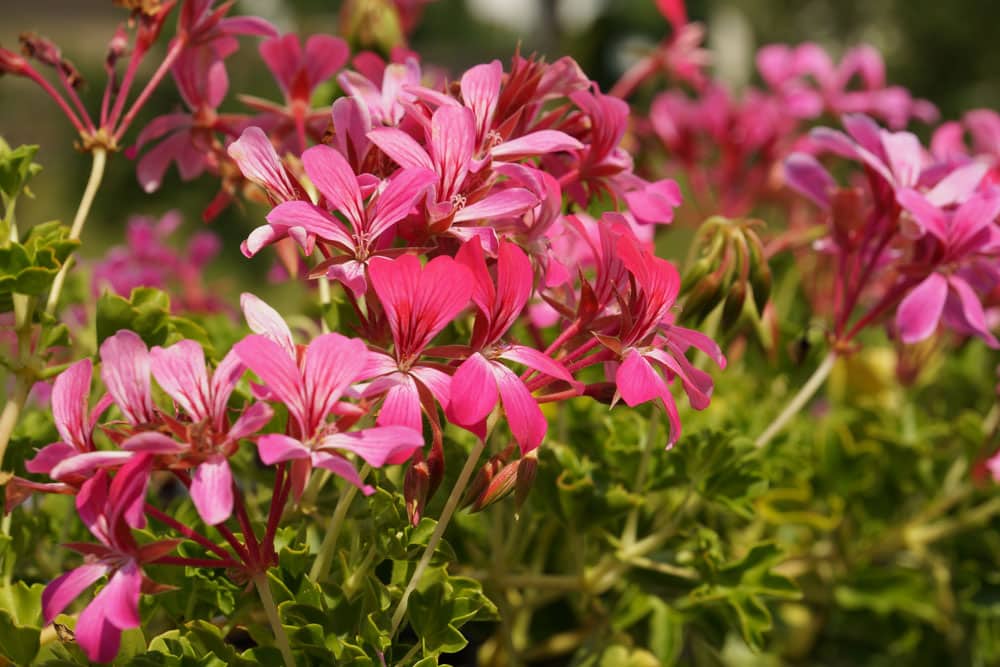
(807, 391)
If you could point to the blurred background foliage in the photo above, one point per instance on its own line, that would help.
(946, 52)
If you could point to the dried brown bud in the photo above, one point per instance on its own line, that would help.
(45, 51)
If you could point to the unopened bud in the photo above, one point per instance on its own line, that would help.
(527, 468)
(602, 392)
(485, 476)
(498, 488)
(416, 484)
(45, 51)
(371, 24)
(11, 63)
(703, 298)
(732, 310)
(847, 213)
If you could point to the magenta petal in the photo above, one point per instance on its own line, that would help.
(255, 156)
(378, 445)
(906, 157)
(511, 201)
(70, 396)
(637, 380)
(84, 464)
(525, 418)
(252, 420)
(538, 361)
(125, 371)
(436, 381)
(480, 88)
(473, 391)
(920, 311)
(971, 310)
(341, 467)
(808, 177)
(49, 456)
(654, 203)
(335, 179)
(212, 490)
(278, 371)
(928, 216)
(331, 364)
(536, 143)
(958, 185)
(67, 587)
(398, 197)
(275, 448)
(96, 635)
(154, 442)
(120, 598)
(314, 220)
(402, 148)
(401, 406)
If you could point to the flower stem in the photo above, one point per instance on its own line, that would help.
(449, 509)
(100, 157)
(325, 555)
(807, 391)
(281, 639)
(11, 412)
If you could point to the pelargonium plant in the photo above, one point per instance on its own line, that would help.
(479, 252)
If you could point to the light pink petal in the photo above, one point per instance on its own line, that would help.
(334, 178)
(70, 398)
(154, 163)
(341, 467)
(958, 185)
(127, 494)
(637, 380)
(49, 456)
(212, 490)
(808, 177)
(473, 391)
(265, 320)
(976, 214)
(154, 442)
(223, 382)
(351, 274)
(920, 311)
(160, 126)
(524, 417)
(180, 370)
(247, 25)
(502, 203)
(332, 363)
(275, 448)
(906, 156)
(453, 134)
(379, 445)
(68, 587)
(402, 148)
(252, 420)
(535, 143)
(480, 88)
(255, 156)
(278, 371)
(125, 371)
(378, 363)
(292, 214)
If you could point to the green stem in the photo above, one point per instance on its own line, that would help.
(11, 412)
(100, 156)
(325, 556)
(807, 391)
(449, 509)
(280, 638)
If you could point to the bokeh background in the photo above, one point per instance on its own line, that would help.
(943, 51)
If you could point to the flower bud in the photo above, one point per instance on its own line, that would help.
(45, 51)
(371, 24)
(732, 309)
(11, 63)
(526, 471)
(499, 487)
(416, 484)
(486, 475)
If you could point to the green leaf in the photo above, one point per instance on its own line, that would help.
(20, 644)
(17, 166)
(146, 312)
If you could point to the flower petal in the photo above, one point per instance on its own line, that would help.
(378, 445)
(920, 311)
(212, 490)
(525, 418)
(275, 448)
(473, 391)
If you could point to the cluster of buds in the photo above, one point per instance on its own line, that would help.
(728, 268)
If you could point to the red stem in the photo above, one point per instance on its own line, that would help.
(634, 76)
(172, 54)
(123, 89)
(195, 562)
(282, 486)
(75, 99)
(32, 74)
(187, 532)
(249, 537)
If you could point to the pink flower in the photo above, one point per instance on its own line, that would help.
(335, 180)
(960, 250)
(108, 509)
(381, 90)
(209, 440)
(418, 303)
(254, 154)
(482, 379)
(311, 389)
